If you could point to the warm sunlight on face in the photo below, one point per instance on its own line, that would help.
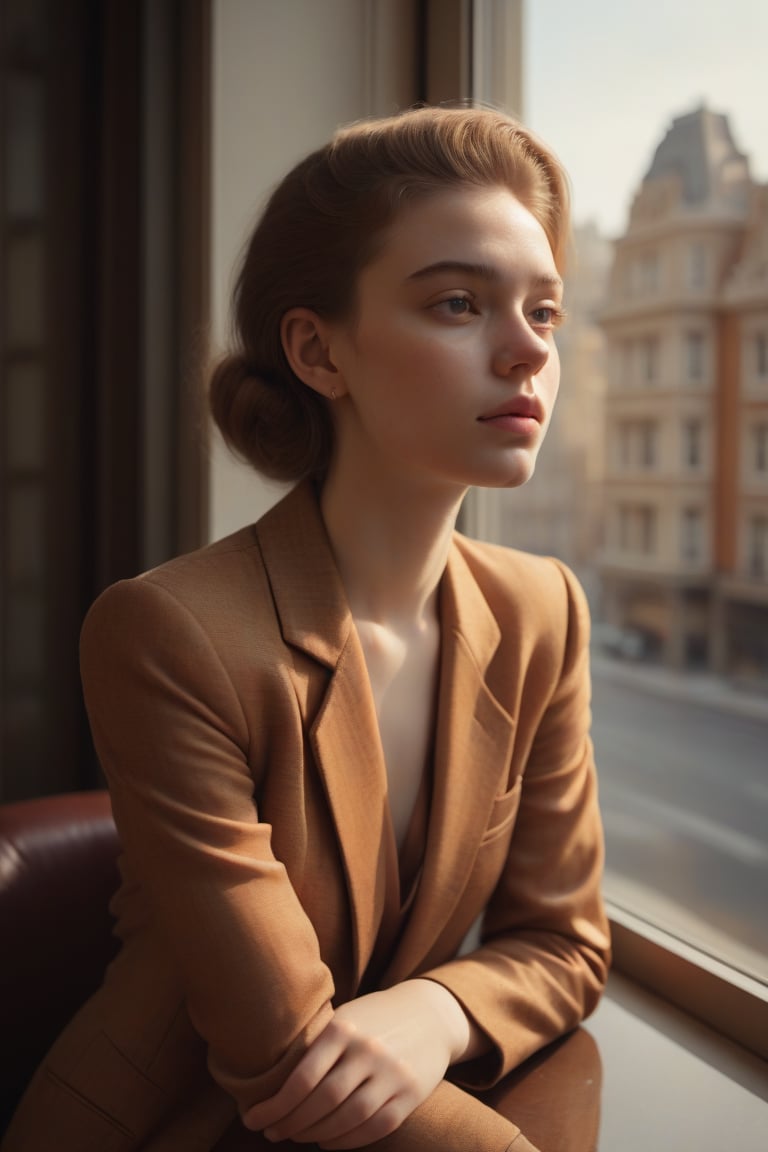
(449, 367)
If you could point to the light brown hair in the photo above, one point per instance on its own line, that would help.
(323, 223)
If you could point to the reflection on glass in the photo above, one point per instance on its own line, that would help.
(25, 301)
(24, 416)
(26, 536)
(24, 144)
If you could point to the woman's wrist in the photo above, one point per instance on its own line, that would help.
(464, 1039)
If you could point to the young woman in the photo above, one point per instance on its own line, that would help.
(340, 737)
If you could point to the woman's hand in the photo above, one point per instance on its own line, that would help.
(379, 1058)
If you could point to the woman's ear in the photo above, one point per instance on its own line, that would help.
(305, 339)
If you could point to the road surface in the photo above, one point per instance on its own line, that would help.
(684, 795)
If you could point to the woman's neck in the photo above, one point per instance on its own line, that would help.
(391, 546)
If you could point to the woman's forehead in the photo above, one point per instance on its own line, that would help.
(478, 228)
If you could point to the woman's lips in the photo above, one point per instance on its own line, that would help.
(512, 422)
(523, 414)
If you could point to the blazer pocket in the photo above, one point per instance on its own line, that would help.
(107, 1080)
(53, 1116)
(503, 813)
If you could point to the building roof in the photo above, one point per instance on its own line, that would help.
(700, 150)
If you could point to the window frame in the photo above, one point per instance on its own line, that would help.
(734, 1004)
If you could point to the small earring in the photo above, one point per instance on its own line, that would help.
(333, 393)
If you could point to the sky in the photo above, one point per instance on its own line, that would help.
(605, 78)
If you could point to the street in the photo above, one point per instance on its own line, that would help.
(684, 795)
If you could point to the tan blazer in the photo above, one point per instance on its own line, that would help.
(231, 709)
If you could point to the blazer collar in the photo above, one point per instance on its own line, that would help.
(309, 597)
(473, 738)
(472, 753)
(316, 619)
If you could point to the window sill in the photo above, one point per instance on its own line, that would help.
(728, 1001)
(669, 1082)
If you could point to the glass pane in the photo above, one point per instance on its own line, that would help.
(679, 596)
(25, 287)
(24, 416)
(24, 146)
(26, 536)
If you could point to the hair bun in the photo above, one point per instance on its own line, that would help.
(280, 428)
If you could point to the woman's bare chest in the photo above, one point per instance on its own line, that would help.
(403, 673)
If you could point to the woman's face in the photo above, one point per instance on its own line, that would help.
(448, 370)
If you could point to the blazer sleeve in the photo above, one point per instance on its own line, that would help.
(545, 946)
(173, 742)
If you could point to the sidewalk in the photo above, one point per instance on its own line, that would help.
(697, 687)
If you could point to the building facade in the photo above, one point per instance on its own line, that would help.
(685, 323)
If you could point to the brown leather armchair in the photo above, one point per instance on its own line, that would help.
(58, 871)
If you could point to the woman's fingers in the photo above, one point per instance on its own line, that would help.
(379, 1057)
(362, 1081)
(308, 1073)
(335, 1105)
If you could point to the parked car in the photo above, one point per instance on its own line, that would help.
(626, 643)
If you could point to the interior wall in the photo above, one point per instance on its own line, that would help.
(285, 75)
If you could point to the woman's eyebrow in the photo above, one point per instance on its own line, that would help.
(462, 267)
(480, 271)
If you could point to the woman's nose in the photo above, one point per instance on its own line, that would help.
(520, 346)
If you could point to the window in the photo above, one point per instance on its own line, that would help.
(691, 538)
(637, 445)
(761, 355)
(757, 547)
(637, 529)
(648, 352)
(694, 356)
(760, 448)
(692, 444)
(624, 443)
(644, 274)
(648, 436)
(697, 265)
(682, 861)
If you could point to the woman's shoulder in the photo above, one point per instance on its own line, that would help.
(229, 591)
(200, 582)
(226, 575)
(528, 594)
(517, 572)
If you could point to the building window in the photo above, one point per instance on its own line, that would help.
(697, 265)
(647, 434)
(692, 444)
(760, 448)
(761, 355)
(648, 352)
(637, 529)
(691, 539)
(637, 444)
(694, 356)
(624, 446)
(757, 547)
(645, 274)
(623, 359)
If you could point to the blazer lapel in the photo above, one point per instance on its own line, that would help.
(315, 618)
(472, 752)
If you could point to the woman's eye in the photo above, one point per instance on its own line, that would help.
(547, 317)
(456, 306)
